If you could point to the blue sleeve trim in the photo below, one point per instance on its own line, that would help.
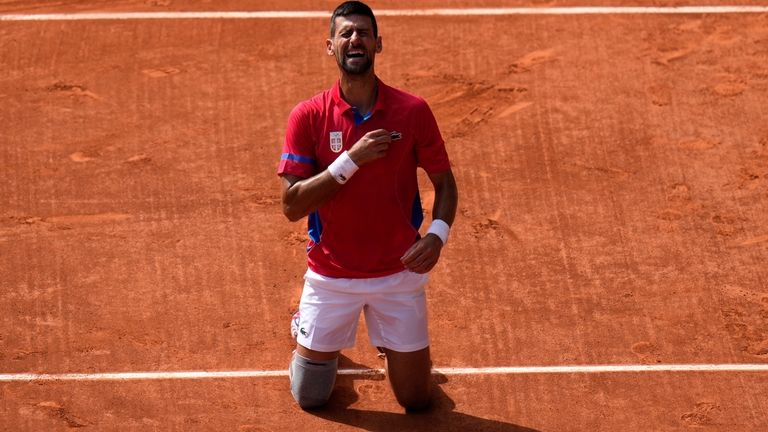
(297, 158)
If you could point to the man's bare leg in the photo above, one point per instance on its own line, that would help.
(316, 355)
(410, 375)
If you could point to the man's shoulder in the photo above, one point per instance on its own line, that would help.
(404, 99)
(314, 104)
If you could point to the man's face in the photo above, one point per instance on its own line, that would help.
(353, 44)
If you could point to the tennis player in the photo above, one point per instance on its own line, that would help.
(349, 164)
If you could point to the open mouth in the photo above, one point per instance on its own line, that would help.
(355, 54)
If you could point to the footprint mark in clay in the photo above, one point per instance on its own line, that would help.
(161, 72)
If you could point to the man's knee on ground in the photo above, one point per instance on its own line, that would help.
(415, 402)
(312, 381)
(410, 376)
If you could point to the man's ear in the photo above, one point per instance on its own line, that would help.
(378, 45)
(329, 47)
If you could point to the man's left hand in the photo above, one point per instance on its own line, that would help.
(423, 255)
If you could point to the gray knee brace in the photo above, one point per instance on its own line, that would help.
(312, 380)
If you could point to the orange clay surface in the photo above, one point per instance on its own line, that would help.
(613, 175)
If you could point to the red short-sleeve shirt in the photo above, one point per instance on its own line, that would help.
(369, 224)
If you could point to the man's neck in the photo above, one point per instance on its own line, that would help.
(359, 91)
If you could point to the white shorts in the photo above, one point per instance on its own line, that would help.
(395, 309)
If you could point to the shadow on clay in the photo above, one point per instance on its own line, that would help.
(440, 416)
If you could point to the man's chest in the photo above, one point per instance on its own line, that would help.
(337, 135)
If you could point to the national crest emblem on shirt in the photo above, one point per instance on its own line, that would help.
(336, 144)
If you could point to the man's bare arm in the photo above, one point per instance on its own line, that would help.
(446, 196)
(302, 196)
(424, 254)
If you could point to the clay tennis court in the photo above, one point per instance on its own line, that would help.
(606, 271)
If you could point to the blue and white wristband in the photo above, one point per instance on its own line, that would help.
(342, 168)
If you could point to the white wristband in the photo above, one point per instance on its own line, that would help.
(342, 168)
(439, 228)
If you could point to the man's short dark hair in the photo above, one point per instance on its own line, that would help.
(353, 8)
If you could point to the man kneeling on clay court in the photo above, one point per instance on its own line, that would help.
(349, 163)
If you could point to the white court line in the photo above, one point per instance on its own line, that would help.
(517, 370)
(587, 10)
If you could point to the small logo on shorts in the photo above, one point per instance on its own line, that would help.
(304, 332)
(336, 144)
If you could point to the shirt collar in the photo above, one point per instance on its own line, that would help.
(377, 106)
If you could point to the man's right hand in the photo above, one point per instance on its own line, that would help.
(373, 145)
